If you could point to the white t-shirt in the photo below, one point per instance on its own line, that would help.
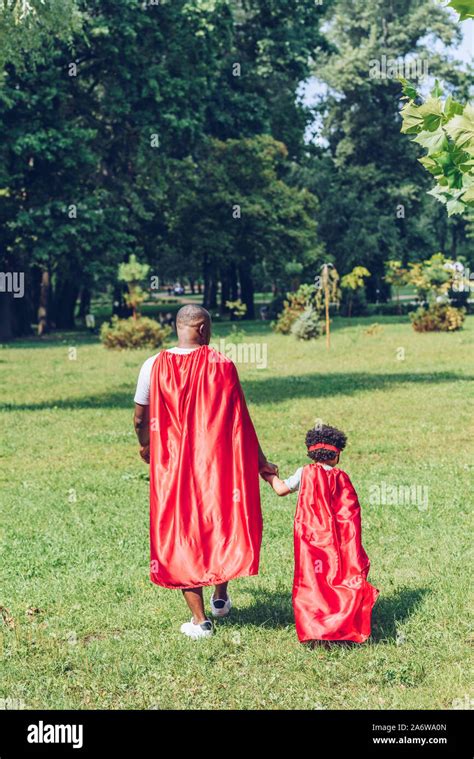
(294, 482)
(142, 393)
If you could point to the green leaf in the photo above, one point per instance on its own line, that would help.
(438, 193)
(431, 112)
(429, 165)
(434, 142)
(412, 119)
(455, 206)
(452, 107)
(461, 129)
(436, 92)
(468, 196)
(465, 8)
(408, 89)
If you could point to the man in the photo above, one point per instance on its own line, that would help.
(194, 428)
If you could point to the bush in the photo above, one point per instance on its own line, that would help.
(236, 308)
(439, 317)
(293, 307)
(133, 333)
(307, 326)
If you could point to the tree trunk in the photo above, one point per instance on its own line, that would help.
(65, 304)
(213, 292)
(225, 290)
(85, 304)
(247, 289)
(43, 306)
(6, 316)
(210, 285)
(234, 282)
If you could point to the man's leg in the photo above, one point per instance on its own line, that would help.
(220, 601)
(220, 592)
(194, 599)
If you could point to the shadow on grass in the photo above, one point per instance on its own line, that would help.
(274, 610)
(54, 340)
(269, 609)
(271, 390)
(278, 389)
(390, 610)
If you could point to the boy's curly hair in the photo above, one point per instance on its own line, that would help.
(324, 434)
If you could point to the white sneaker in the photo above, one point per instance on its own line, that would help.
(220, 608)
(194, 631)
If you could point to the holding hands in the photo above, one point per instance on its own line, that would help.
(267, 469)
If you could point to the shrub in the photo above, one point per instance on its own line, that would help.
(293, 307)
(133, 273)
(133, 333)
(439, 317)
(307, 326)
(352, 286)
(236, 308)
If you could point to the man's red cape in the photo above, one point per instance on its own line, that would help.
(205, 516)
(332, 599)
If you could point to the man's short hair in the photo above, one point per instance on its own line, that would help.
(192, 315)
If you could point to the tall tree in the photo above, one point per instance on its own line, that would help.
(371, 189)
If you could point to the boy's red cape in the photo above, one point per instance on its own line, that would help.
(205, 516)
(332, 599)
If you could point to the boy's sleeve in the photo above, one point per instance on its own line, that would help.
(293, 482)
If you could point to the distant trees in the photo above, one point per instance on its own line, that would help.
(174, 132)
(111, 137)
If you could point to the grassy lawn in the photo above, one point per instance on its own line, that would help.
(84, 628)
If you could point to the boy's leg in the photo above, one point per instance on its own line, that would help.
(194, 599)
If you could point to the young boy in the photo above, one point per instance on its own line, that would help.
(332, 599)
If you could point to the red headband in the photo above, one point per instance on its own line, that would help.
(326, 446)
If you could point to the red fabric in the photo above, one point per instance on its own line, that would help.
(325, 446)
(205, 516)
(332, 599)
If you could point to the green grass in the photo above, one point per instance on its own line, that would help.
(74, 530)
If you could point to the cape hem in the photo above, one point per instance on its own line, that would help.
(204, 584)
(360, 641)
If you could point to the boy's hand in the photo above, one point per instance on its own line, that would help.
(145, 453)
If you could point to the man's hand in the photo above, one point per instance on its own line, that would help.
(268, 468)
(145, 453)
